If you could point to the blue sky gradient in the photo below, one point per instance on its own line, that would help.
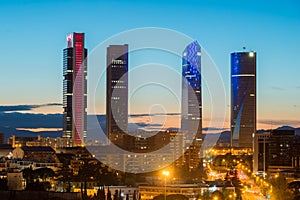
(33, 36)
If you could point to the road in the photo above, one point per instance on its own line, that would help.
(252, 193)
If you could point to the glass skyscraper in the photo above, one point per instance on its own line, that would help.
(191, 106)
(117, 90)
(74, 89)
(243, 98)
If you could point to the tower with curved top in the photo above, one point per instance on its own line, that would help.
(191, 106)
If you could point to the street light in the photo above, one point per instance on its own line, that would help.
(166, 174)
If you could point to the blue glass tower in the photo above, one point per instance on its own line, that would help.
(191, 106)
(243, 98)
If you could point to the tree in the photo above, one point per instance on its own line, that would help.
(108, 194)
(134, 195)
(217, 195)
(116, 195)
(106, 175)
(102, 194)
(120, 195)
(86, 173)
(280, 189)
(38, 186)
(44, 173)
(28, 174)
(3, 184)
(66, 176)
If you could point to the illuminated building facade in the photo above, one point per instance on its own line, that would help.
(117, 90)
(75, 89)
(191, 107)
(243, 98)
(276, 151)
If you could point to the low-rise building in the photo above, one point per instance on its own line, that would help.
(92, 190)
(38, 157)
(6, 150)
(191, 191)
(15, 180)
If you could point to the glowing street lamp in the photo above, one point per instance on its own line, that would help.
(166, 174)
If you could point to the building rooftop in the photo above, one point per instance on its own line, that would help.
(38, 149)
(6, 147)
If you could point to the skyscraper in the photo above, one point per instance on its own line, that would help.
(243, 98)
(74, 89)
(116, 90)
(191, 107)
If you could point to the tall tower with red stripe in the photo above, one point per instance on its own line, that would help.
(74, 90)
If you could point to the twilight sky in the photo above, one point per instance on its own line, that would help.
(33, 36)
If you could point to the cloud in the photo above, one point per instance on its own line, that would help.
(16, 108)
(140, 124)
(271, 122)
(154, 114)
(278, 88)
(213, 129)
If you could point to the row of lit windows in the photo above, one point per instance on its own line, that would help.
(117, 66)
(117, 81)
(118, 62)
(119, 87)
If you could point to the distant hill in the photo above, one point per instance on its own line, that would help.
(10, 121)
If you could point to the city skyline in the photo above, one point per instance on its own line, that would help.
(277, 87)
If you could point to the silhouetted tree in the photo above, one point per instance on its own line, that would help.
(134, 195)
(3, 184)
(116, 195)
(65, 175)
(102, 194)
(28, 174)
(108, 194)
(44, 173)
